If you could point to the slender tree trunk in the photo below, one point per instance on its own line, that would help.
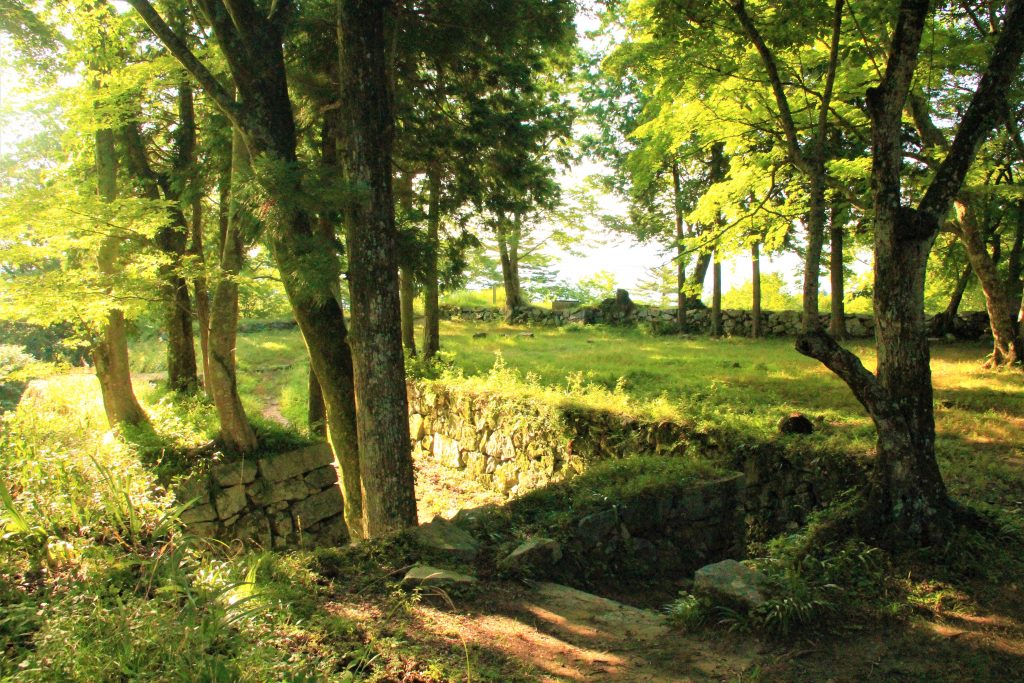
(700, 273)
(815, 239)
(316, 411)
(837, 325)
(1002, 308)
(945, 323)
(677, 208)
(110, 352)
(407, 295)
(201, 288)
(236, 433)
(385, 462)
(755, 261)
(716, 297)
(431, 316)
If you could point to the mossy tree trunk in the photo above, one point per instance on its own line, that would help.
(837, 323)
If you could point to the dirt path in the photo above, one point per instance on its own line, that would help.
(562, 634)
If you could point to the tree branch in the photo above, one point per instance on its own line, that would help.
(177, 47)
(864, 385)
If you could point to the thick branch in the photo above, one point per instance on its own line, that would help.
(864, 385)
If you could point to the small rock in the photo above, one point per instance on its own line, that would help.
(443, 536)
(234, 473)
(230, 501)
(796, 423)
(479, 335)
(528, 335)
(731, 583)
(423, 575)
(536, 554)
(596, 528)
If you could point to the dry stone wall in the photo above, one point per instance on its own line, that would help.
(516, 444)
(737, 323)
(285, 501)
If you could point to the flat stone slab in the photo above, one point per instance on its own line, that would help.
(730, 582)
(534, 555)
(442, 536)
(423, 575)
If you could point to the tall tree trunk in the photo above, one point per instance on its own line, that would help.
(110, 351)
(837, 324)
(389, 501)
(716, 296)
(755, 262)
(815, 238)
(508, 250)
(431, 315)
(677, 211)
(700, 273)
(199, 285)
(945, 323)
(1002, 308)
(316, 411)
(236, 433)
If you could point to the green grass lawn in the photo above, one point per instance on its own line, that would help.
(735, 387)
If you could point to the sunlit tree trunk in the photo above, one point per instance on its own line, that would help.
(716, 296)
(755, 312)
(677, 211)
(431, 313)
(837, 324)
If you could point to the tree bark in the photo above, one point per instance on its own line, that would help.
(837, 324)
(431, 314)
(407, 295)
(201, 288)
(508, 249)
(110, 351)
(945, 323)
(716, 297)
(389, 502)
(236, 433)
(755, 312)
(1002, 308)
(677, 211)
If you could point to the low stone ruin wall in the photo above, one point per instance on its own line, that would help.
(736, 323)
(289, 500)
(514, 445)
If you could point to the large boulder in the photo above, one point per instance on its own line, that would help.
(730, 583)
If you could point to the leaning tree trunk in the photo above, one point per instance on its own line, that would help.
(755, 311)
(837, 324)
(700, 273)
(1002, 308)
(389, 500)
(431, 313)
(236, 433)
(716, 296)
(110, 351)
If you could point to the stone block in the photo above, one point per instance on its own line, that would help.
(230, 501)
(234, 473)
(294, 463)
(254, 529)
(322, 477)
(268, 492)
(325, 504)
(533, 557)
(416, 428)
(442, 536)
(730, 583)
(199, 513)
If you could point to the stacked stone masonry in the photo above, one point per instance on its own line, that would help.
(514, 445)
(289, 500)
(735, 323)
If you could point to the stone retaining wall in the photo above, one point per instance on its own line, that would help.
(698, 320)
(284, 501)
(514, 445)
